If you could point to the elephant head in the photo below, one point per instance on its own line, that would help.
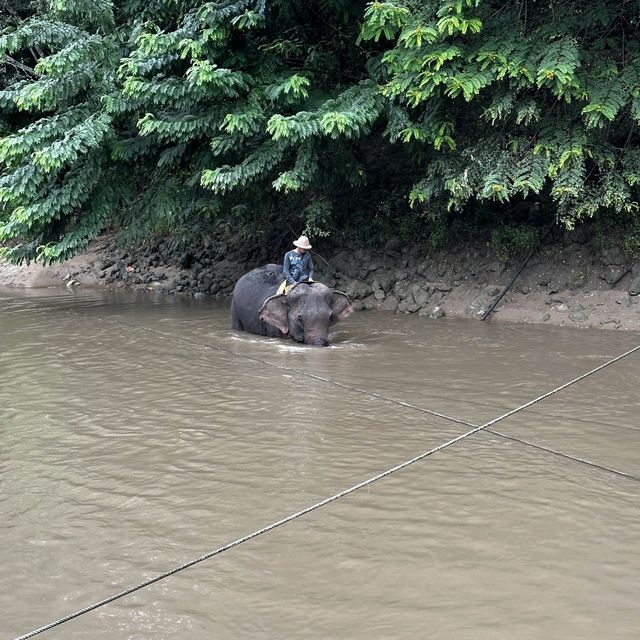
(306, 312)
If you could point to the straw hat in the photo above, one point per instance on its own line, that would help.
(302, 242)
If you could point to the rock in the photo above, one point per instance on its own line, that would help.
(478, 307)
(562, 307)
(379, 295)
(613, 274)
(545, 317)
(403, 306)
(186, 260)
(369, 303)
(393, 244)
(401, 290)
(578, 306)
(390, 303)
(420, 295)
(525, 289)
(578, 316)
(610, 321)
(577, 280)
(554, 286)
(436, 313)
(382, 281)
(108, 262)
(357, 289)
(492, 291)
(634, 287)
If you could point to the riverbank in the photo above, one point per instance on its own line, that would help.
(567, 282)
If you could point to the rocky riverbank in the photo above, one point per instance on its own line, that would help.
(566, 282)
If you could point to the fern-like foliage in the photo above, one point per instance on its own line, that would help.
(530, 103)
(151, 114)
(56, 154)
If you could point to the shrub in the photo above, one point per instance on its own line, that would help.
(514, 241)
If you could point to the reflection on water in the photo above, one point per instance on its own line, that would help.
(139, 432)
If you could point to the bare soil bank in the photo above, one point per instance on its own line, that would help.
(565, 283)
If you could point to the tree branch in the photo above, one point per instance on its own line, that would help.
(22, 67)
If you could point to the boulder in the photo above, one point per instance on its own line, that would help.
(634, 287)
(390, 303)
(356, 289)
(369, 303)
(577, 280)
(420, 295)
(478, 306)
(578, 316)
(612, 274)
(613, 255)
(554, 286)
(393, 244)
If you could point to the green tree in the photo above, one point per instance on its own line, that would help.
(150, 115)
(514, 99)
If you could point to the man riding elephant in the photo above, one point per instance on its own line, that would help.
(297, 265)
(305, 312)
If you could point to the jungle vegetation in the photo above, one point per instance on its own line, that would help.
(333, 116)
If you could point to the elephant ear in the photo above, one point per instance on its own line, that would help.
(275, 311)
(340, 307)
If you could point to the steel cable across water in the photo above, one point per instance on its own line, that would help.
(345, 492)
(373, 394)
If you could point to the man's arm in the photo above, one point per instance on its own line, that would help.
(285, 269)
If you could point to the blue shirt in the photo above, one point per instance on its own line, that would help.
(297, 267)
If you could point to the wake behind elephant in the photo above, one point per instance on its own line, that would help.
(305, 314)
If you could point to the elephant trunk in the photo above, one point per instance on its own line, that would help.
(320, 342)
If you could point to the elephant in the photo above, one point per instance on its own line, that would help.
(304, 314)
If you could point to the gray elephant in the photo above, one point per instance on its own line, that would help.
(305, 314)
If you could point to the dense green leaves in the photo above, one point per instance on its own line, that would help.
(558, 87)
(147, 115)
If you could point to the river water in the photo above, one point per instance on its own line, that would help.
(138, 433)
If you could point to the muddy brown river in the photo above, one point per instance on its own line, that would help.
(138, 433)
